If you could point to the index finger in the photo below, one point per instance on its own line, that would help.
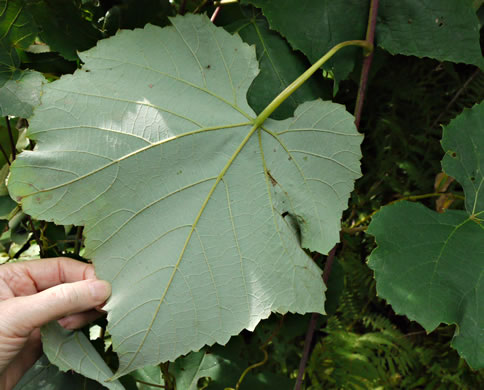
(29, 277)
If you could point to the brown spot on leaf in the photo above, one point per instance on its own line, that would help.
(273, 181)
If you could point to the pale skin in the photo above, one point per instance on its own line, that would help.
(33, 293)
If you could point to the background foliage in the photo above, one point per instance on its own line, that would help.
(413, 90)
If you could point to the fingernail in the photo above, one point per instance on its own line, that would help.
(100, 290)
(64, 322)
(100, 309)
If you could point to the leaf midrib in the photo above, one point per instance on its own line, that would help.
(134, 153)
(187, 241)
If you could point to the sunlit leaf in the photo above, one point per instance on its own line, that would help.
(194, 214)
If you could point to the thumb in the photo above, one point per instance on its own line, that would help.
(29, 312)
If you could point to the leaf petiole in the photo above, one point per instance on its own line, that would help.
(306, 75)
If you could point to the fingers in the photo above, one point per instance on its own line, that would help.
(75, 321)
(23, 314)
(23, 361)
(37, 275)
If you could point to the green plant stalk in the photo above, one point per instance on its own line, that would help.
(255, 365)
(290, 89)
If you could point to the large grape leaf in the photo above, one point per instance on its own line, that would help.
(430, 266)
(195, 214)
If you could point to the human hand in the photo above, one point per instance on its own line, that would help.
(33, 293)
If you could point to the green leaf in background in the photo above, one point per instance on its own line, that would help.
(6, 202)
(315, 26)
(430, 266)
(19, 96)
(46, 376)
(447, 30)
(17, 28)
(194, 215)
(63, 27)
(137, 13)
(149, 374)
(410, 27)
(279, 66)
(196, 365)
(70, 350)
(9, 62)
(17, 31)
(222, 367)
(463, 143)
(50, 63)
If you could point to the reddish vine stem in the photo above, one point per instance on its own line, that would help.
(370, 37)
(78, 242)
(181, 10)
(312, 324)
